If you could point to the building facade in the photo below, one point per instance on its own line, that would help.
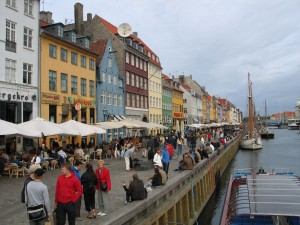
(109, 88)
(167, 106)
(189, 105)
(68, 78)
(177, 101)
(19, 47)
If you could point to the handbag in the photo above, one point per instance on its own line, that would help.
(103, 186)
(36, 212)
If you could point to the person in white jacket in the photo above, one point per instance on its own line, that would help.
(157, 158)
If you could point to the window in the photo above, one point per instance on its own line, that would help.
(52, 51)
(103, 77)
(137, 82)
(108, 78)
(74, 58)
(92, 64)
(137, 101)
(146, 84)
(120, 83)
(28, 6)
(120, 101)
(132, 79)
(11, 3)
(60, 31)
(27, 73)
(27, 37)
(10, 70)
(159, 104)
(141, 64)
(52, 113)
(132, 60)
(52, 80)
(151, 118)
(127, 78)
(103, 95)
(109, 62)
(83, 86)
(109, 98)
(142, 101)
(83, 61)
(127, 57)
(150, 85)
(128, 99)
(63, 55)
(145, 66)
(115, 80)
(137, 62)
(10, 42)
(133, 100)
(141, 83)
(73, 84)
(73, 37)
(115, 100)
(92, 88)
(64, 82)
(146, 102)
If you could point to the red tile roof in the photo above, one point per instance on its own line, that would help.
(165, 76)
(98, 47)
(43, 23)
(113, 29)
(185, 86)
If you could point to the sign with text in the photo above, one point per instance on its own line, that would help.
(50, 98)
(84, 103)
(177, 115)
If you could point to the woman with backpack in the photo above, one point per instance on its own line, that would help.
(89, 180)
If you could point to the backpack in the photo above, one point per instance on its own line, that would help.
(24, 187)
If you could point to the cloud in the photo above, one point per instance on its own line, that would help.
(216, 41)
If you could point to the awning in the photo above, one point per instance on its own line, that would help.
(195, 120)
(118, 117)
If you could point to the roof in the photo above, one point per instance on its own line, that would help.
(165, 76)
(113, 29)
(270, 195)
(43, 23)
(98, 47)
(185, 86)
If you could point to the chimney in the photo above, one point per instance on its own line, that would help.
(78, 14)
(181, 78)
(46, 17)
(135, 34)
(191, 76)
(89, 16)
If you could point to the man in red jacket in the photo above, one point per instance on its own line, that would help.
(68, 191)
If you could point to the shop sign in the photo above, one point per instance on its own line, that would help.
(17, 96)
(177, 115)
(78, 106)
(50, 98)
(84, 103)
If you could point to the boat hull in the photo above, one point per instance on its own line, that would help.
(267, 135)
(251, 144)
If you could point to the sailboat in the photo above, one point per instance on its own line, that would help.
(266, 133)
(251, 141)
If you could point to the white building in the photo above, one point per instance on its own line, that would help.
(190, 105)
(19, 64)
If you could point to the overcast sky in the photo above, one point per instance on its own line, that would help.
(216, 41)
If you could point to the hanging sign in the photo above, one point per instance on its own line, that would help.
(78, 106)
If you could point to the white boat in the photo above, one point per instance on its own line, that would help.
(251, 141)
(293, 124)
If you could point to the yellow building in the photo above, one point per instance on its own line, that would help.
(155, 89)
(68, 78)
(177, 101)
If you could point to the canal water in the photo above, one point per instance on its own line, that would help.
(281, 152)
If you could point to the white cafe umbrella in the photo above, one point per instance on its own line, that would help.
(46, 127)
(182, 127)
(177, 126)
(109, 125)
(82, 128)
(10, 129)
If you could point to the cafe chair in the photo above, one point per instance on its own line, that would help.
(16, 171)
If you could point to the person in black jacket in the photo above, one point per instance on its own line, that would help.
(154, 181)
(89, 180)
(136, 190)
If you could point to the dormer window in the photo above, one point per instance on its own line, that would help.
(129, 41)
(73, 37)
(149, 54)
(60, 31)
(86, 43)
(157, 60)
(153, 57)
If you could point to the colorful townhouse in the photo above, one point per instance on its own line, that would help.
(167, 105)
(68, 78)
(109, 89)
(177, 101)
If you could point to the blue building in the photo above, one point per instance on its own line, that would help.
(109, 88)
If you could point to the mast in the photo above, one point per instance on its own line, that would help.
(266, 113)
(250, 107)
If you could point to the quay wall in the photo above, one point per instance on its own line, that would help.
(184, 197)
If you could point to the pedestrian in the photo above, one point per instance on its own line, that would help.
(135, 190)
(68, 191)
(31, 177)
(179, 145)
(88, 181)
(103, 186)
(128, 156)
(76, 168)
(165, 159)
(157, 158)
(36, 196)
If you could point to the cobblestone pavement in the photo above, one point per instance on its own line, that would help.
(13, 212)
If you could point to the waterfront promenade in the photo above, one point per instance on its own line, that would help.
(13, 212)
